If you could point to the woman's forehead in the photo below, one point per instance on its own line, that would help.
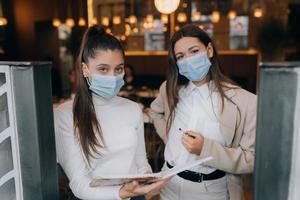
(107, 57)
(185, 43)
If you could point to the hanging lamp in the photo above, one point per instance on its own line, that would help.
(166, 6)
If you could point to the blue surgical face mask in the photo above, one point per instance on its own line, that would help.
(196, 67)
(106, 86)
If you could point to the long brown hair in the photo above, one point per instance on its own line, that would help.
(86, 124)
(175, 80)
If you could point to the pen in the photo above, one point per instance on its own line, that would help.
(180, 129)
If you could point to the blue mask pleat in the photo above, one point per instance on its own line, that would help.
(196, 67)
(106, 86)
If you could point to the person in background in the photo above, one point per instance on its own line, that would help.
(199, 112)
(72, 79)
(129, 90)
(99, 133)
(129, 77)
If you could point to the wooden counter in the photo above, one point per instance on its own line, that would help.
(150, 66)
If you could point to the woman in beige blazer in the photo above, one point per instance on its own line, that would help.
(199, 113)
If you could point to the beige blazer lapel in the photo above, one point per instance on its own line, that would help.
(228, 118)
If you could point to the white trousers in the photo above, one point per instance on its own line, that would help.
(181, 189)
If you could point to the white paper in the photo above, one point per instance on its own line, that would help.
(145, 178)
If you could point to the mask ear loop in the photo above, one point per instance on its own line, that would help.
(88, 81)
(87, 77)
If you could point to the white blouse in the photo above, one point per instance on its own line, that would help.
(122, 126)
(198, 111)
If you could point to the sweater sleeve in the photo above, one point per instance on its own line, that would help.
(140, 155)
(71, 159)
(240, 159)
(157, 113)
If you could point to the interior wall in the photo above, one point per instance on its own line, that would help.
(27, 12)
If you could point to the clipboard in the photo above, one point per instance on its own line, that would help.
(120, 179)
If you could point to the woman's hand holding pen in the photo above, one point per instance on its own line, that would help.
(193, 142)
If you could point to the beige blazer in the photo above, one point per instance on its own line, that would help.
(237, 157)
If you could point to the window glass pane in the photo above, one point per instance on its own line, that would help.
(6, 164)
(8, 191)
(2, 79)
(4, 117)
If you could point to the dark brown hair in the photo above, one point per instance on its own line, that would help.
(86, 125)
(175, 80)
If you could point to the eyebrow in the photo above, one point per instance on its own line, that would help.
(188, 49)
(102, 65)
(106, 65)
(193, 47)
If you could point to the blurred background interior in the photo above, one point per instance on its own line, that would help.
(246, 32)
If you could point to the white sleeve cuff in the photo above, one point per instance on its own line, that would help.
(117, 192)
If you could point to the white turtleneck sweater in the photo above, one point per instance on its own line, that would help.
(121, 123)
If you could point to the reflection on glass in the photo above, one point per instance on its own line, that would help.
(2, 79)
(4, 117)
(6, 164)
(239, 33)
(154, 37)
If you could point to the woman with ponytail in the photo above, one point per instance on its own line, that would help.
(99, 133)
